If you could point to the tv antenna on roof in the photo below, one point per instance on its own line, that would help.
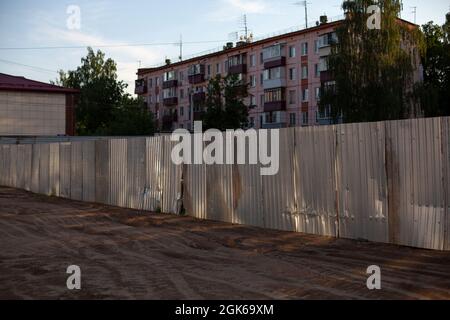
(415, 14)
(303, 4)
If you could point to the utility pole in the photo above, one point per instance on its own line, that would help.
(304, 4)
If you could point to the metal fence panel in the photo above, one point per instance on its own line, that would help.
(445, 129)
(416, 197)
(102, 171)
(5, 165)
(54, 179)
(136, 173)
(44, 169)
(152, 194)
(278, 190)
(118, 172)
(194, 193)
(76, 172)
(362, 188)
(88, 156)
(65, 162)
(35, 159)
(13, 166)
(314, 169)
(170, 179)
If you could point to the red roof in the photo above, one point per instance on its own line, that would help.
(14, 83)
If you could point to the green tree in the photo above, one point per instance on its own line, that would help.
(102, 98)
(131, 118)
(434, 93)
(373, 72)
(225, 107)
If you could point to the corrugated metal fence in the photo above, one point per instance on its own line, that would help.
(385, 182)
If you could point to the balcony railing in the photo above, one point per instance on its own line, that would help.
(169, 102)
(237, 69)
(275, 106)
(275, 62)
(170, 84)
(140, 86)
(198, 97)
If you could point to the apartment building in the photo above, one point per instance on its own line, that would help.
(285, 74)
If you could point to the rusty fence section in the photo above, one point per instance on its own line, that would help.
(385, 182)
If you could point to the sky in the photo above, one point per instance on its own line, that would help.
(109, 24)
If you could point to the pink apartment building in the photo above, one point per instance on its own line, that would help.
(285, 74)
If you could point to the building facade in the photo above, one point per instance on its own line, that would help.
(285, 74)
(32, 108)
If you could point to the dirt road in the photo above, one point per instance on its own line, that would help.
(126, 254)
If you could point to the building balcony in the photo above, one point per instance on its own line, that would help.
(274, 83)
(196, 78)
(275, 106)
(275, 62)
(198, 97)
(237, 69)
(140, 86)
(325, 76)
(169, 102)
(170, 84)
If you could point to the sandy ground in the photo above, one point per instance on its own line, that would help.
(125, 254)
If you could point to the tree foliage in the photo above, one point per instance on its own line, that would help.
(373, 69)
(434, 93)
(224, 106)
(103, 107)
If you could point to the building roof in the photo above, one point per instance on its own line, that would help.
(15, 83)
(142, 71)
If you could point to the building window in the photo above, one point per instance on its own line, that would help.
(262, 100)
(209, 70)
(292, 52)
(316, 46)
(181, 76)
(305, 118)
(261, 57)
(272, 52)
(292, 121)
(252, 101)
(292, 74)
(271, 74)
(262, 79)
(318, 93)
(218, 68)
(304, 48)
(253, 81)
(157, 81)
(292, 97)
(150, 82)
(275, 95)
(252, 60)
(181, 111)
(181, 93)
(305, 95)
(170, 75)
(317, 70)
(304, 72)
(169, 93)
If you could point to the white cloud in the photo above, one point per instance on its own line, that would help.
(249, 6)
(46, 32)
